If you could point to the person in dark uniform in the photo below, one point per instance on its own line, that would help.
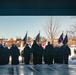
(3, 55)
(0, 54)
(58, 58)
(45, 55)
(34, 49)
(49, 54)
(2, 62)
(66, 53)
(6, 53)
(61, 54)
(26, 54)
(14, 51)
(56, 54)
(40, 54)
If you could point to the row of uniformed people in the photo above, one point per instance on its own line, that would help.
(37, 52)
(14, 52)
(5, 53)
(51, 54)
(58, 54)
(61, 54)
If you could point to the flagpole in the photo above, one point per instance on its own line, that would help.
(25, 38)
(26, 32)
(67, 32)
(39, 37)
(63, 35)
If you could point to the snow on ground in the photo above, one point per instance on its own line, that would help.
(72, 57)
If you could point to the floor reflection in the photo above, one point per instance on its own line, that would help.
(6, 70)
(20, 70)
(32, 73)
(54, 69)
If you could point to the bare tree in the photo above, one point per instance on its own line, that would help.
(72, 30)
(52, 29)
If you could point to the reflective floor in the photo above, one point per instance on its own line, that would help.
(54, 69)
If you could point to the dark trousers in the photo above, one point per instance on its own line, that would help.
(65, 59)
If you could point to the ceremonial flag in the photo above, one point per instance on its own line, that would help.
(60, 38)
(44, 44)
(37, 37)
(25, 39)
(65, 39)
